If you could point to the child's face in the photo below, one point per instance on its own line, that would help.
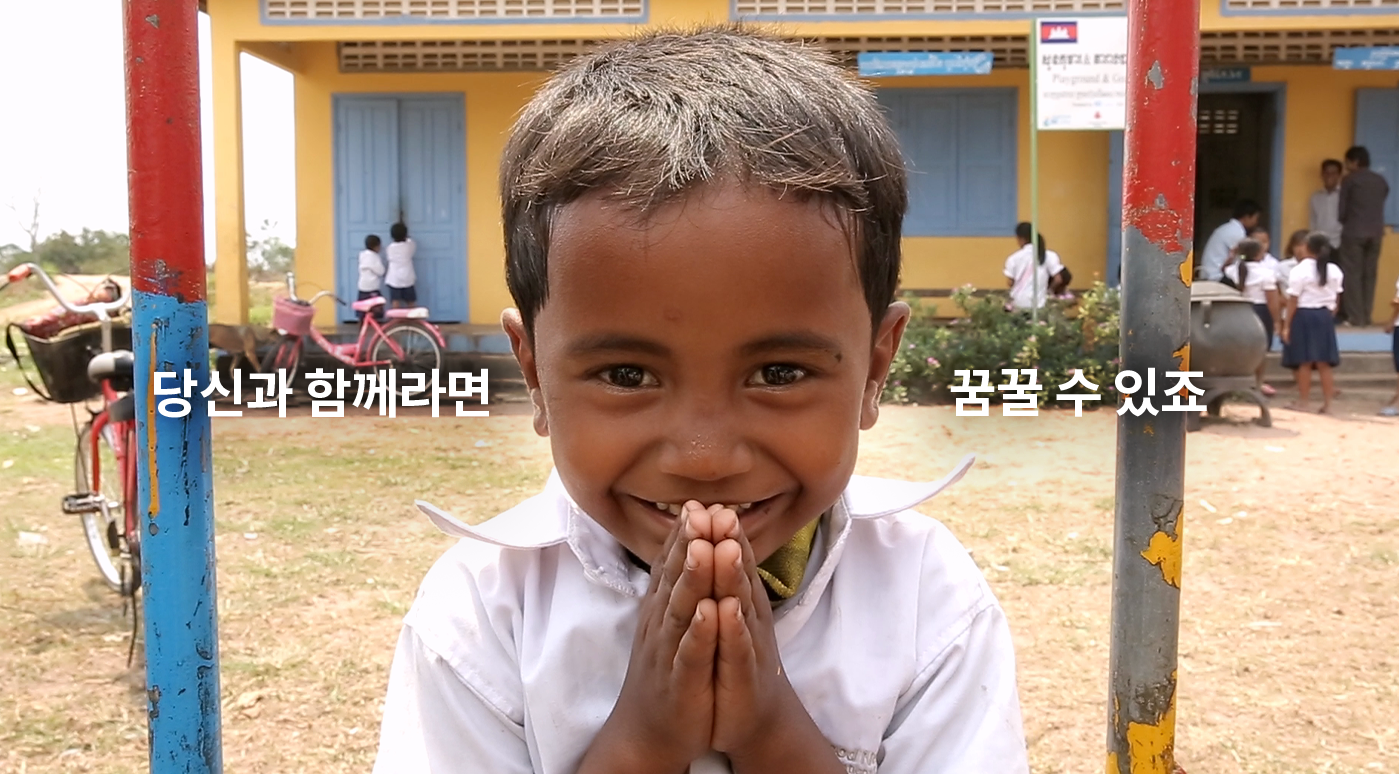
(1261, 237)
(719, 352)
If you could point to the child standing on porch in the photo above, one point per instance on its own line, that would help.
(371, 273)
(401, 278)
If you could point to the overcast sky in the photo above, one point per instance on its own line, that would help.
(64, 133)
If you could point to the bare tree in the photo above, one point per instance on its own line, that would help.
(29, 224)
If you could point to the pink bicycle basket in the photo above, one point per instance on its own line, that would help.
(294, 317)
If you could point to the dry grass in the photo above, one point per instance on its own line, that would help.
(1288, 662)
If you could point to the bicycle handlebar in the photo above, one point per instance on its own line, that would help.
(291, 292)
(99, 308)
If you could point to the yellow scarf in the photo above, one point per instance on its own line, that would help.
(783, 571)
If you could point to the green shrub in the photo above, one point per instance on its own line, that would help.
(1071, 335)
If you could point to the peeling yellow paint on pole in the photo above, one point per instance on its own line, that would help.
(1164, 552)
(150, 437)
(1152, 746)
(1184, 354)
(1112, 764)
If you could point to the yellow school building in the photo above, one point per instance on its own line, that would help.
(402, 109)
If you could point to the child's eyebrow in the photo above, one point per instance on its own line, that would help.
(616, 342)
(794, 340)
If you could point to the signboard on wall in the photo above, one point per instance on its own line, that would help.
(1380, 58)
(1213, 76)
(1081, 73)
(879, 64)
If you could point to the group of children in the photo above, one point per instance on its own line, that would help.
(1299, 296)
(398, 276)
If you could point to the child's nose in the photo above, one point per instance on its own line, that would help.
(705, 445)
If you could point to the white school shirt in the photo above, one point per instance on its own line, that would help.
(1326, 214)
(401, 274)
(1311, 294)
(1216, 252)
(515, 649)
(1284, 272)
(1261, 278)
(371, 270)
(1018, 268)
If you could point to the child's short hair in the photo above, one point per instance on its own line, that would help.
(649, 119)
(372, 242)
(398, 232)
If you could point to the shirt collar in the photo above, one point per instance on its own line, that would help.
(553, 518)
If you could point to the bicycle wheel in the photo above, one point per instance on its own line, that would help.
(418, 348)
(287, 357)
(105, 528)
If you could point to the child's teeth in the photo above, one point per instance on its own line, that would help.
(746, 506)
(674, 509)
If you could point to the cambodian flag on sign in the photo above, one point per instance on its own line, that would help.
(1059, 32)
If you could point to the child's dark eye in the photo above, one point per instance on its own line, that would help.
(628, 377)
(779, 375)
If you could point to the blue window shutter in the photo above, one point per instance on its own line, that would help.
(986, 163)
(932, 173)
(1377, 128)
(960, 148)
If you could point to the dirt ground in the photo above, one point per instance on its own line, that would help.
(1288, 661)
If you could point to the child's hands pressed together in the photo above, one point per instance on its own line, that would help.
(705, 672)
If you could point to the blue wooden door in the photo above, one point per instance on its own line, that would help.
(404, 157)
(432, 164)
(366, 183)
(1377, 128)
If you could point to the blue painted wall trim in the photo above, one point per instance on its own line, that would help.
(1116, 151)
(1225, 10)
(396, 21)
(1279, 92)
(175, 475)
(891, 17)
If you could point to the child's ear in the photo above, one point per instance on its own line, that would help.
(886, 344)
(520, 344)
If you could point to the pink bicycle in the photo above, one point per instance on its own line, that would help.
(405, 342)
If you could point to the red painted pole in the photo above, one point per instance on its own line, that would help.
(1158, 212)
(170, 337)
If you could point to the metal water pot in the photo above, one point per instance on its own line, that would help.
(1226, 336)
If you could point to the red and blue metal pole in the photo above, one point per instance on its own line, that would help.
(1157, 231)
(171, 334)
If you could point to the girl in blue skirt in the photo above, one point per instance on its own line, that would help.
(1309, 338)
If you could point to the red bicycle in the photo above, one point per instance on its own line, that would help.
(407, 342)
(105, 465)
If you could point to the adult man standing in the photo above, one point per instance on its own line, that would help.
(1326, 203)
(1222, 242)
(1361, 209)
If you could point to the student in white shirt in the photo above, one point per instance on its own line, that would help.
(371, 274)
(1313, 290)
(703, 585)
(1258, 282)
(1325, 213)
(1031, 273)
(1222, 242)
(401, 280)
(1391, 409)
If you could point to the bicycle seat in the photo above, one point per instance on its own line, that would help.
(366, 304)
(120, 364)
(123, 410)
(415, 313)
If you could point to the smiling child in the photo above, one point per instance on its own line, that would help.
(702, 240)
